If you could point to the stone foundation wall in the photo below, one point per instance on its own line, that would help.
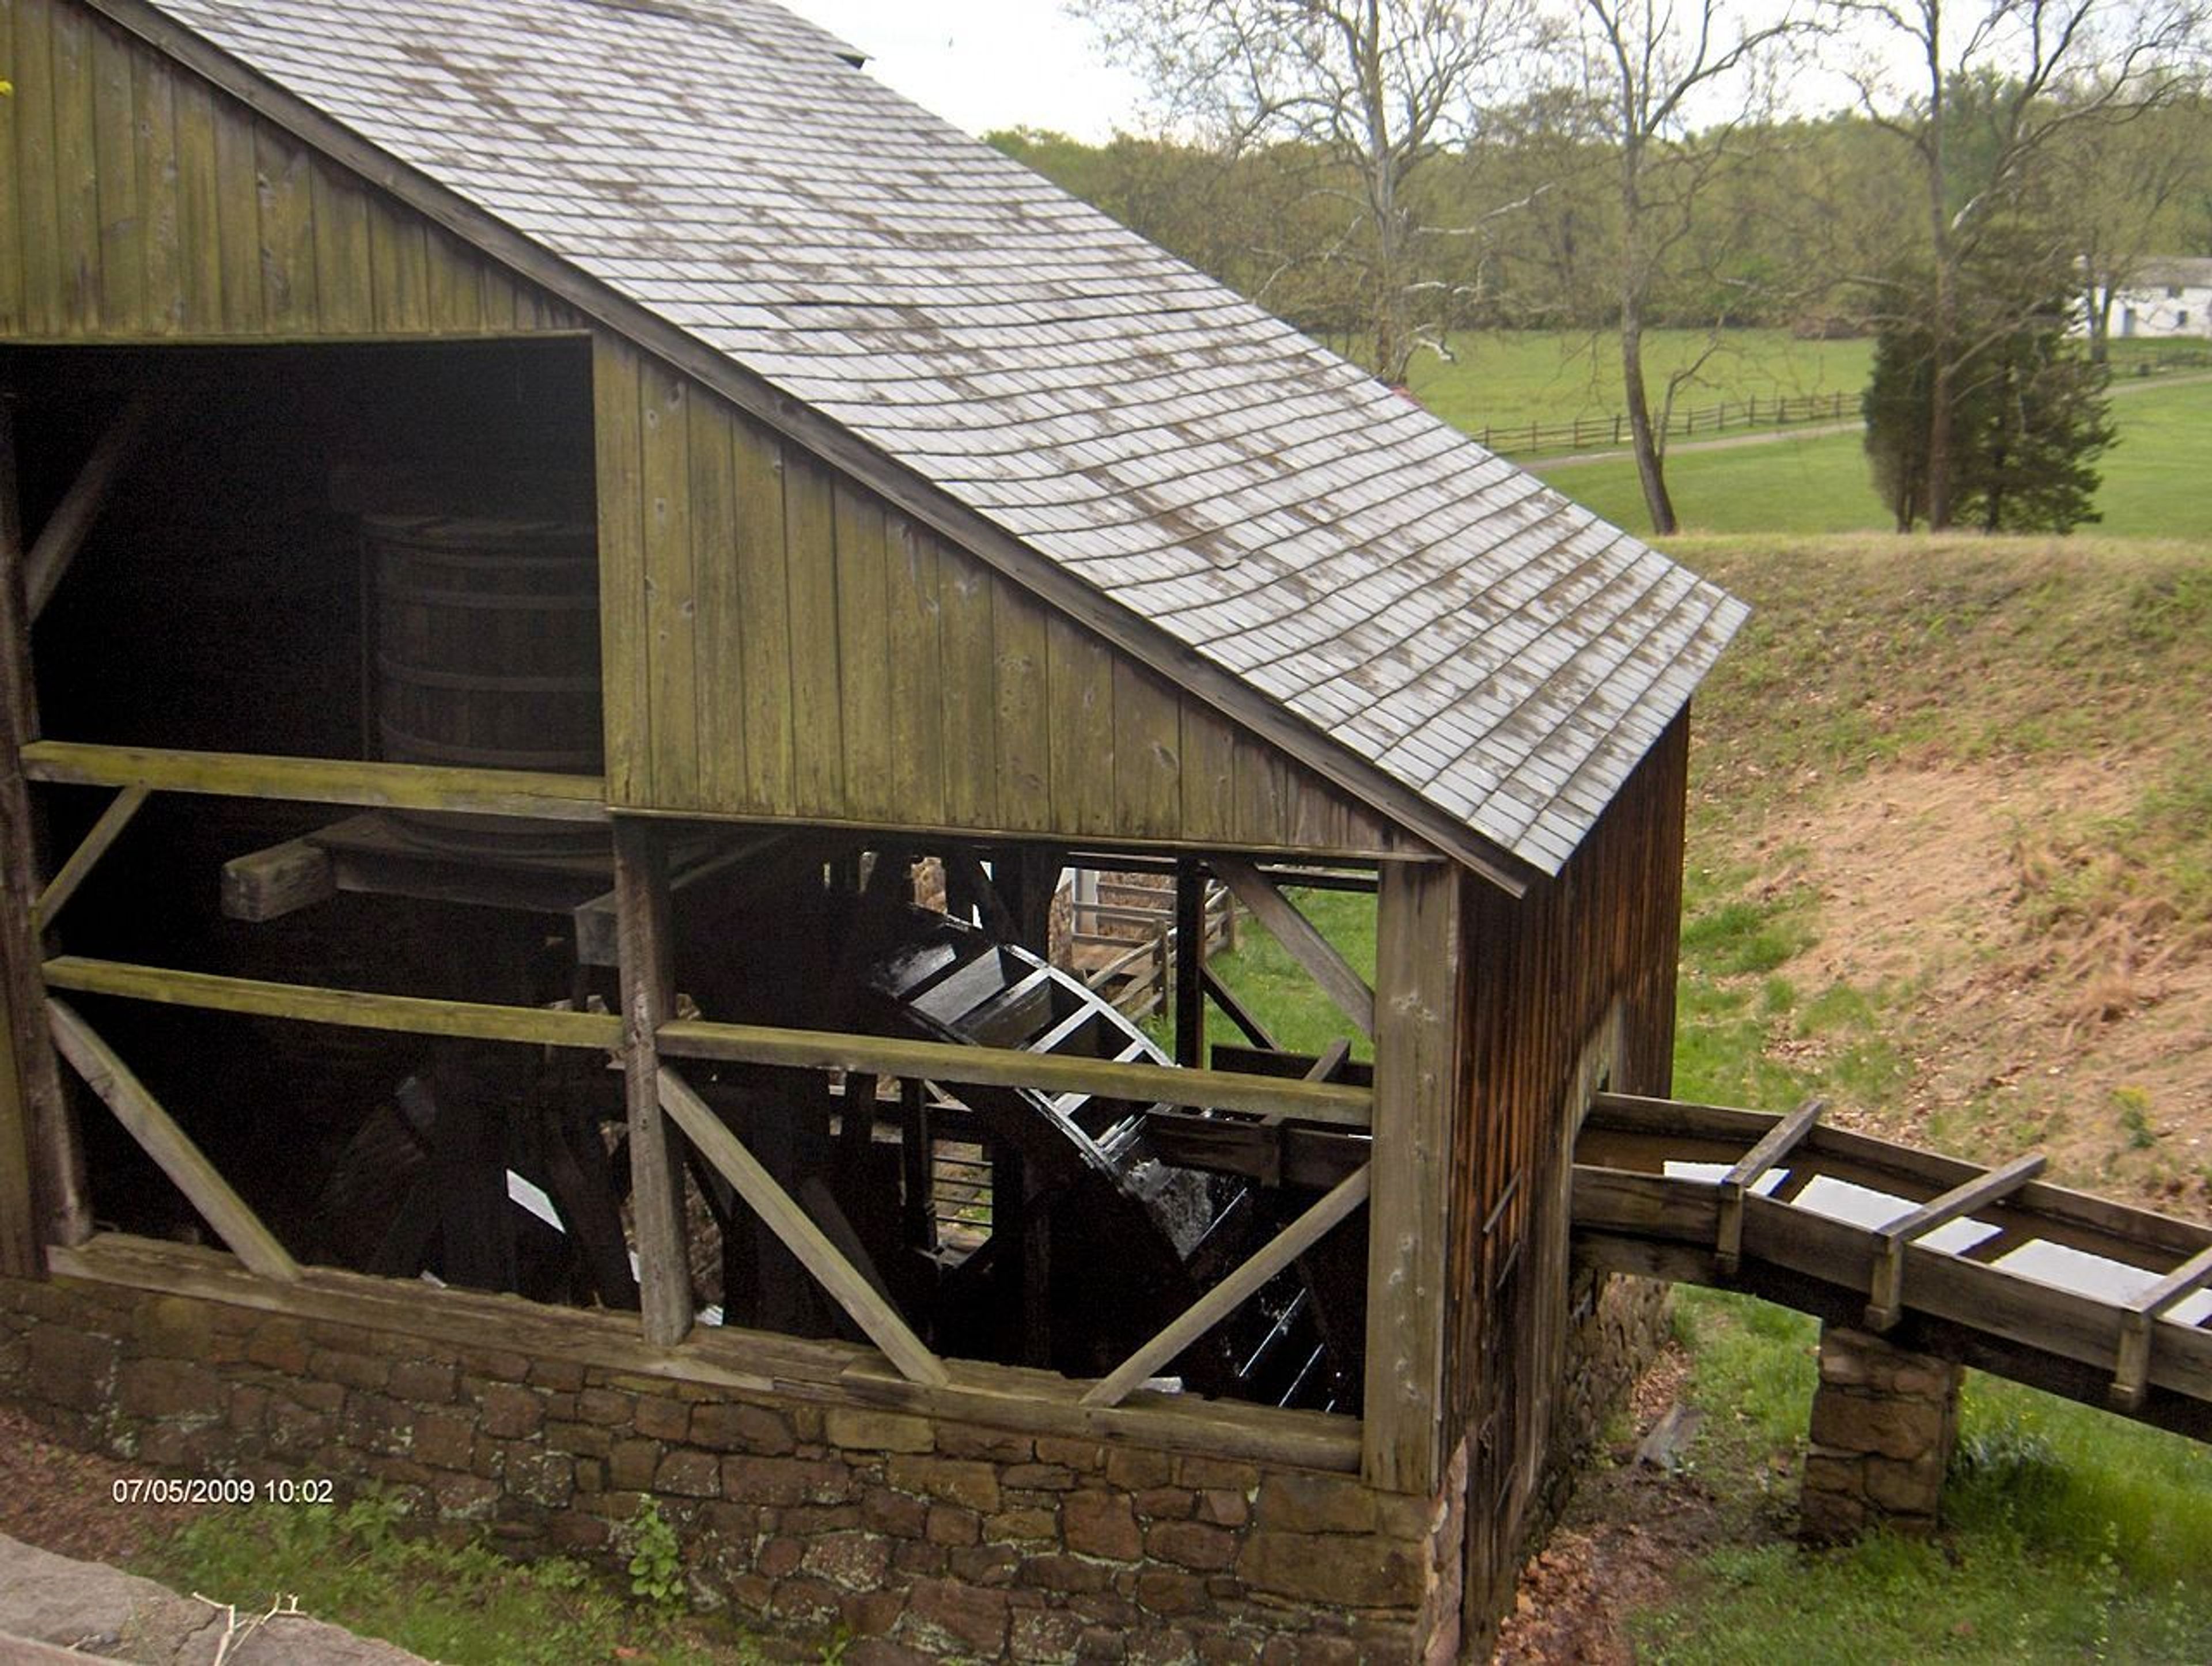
(925, 1537)
(1884, 1424)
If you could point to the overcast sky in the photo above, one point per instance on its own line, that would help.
(987, 64)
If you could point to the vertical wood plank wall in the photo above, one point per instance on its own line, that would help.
(138, 203)
(779, 642)
(1543, 975)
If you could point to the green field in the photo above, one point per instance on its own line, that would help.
(1508, 376)
(2153, 477)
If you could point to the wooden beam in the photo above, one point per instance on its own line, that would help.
(882, 1323)
(648, 995)
(1238, 1014)
(1417, 1085)
(1776, 1144)
(323, 781)
(594, 920)
(412, 1015)
(1190, 963)
(97, 843)
(42, 1187)
(1300, 940)
(268, 884)
(1333, 1103)
(65, 530)
(1233, 1291)
(160, 1137)
(2131, 1369)
(1886, 1296)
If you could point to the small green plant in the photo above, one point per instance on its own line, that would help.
(2134, 1107)
(656, 1560)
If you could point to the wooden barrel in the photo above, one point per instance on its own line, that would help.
(486, 649)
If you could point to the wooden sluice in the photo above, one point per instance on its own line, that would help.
(1994, 1268)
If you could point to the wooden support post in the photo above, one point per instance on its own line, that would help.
(1886, 1296)
(1190, 963)
(1417, 1087)
(1777, 1143)
(917, 1166)
(1300, 940)
(2131, 1369)
(876, 1317)
(1225, 1297)
(41, 1165)
(65, 530)
(169, 1145)
(648, 999)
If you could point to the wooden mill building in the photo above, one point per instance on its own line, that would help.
(525, 523)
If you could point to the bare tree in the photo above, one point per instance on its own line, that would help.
(1374, 88)
(1651, 70)
(2031, 73)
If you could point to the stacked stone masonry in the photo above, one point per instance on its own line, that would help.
(1884, 1424)
(923, 1538)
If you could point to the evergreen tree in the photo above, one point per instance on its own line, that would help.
(2028, 412)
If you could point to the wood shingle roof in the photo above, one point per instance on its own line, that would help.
(1434, 620)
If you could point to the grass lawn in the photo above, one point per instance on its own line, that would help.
(2153, 477)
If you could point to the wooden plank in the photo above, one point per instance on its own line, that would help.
(11, 227)
(400, 265)
(671, 599)
(1263, 792)
(1021, 679)
(160, 1139)
(1233, 1291)
(283, 879)
(1079, 723)
(122, 309)
(969, 713)
(811, 576)
(199, 219)
(76, 170)
(1147, 753)
(817, 1372)
(864, 694)
(289, 276)
(456, 291)
(1209, 774)
(238, 222)
(1235, 1009)
(648, 995)
(618, 393)
(917, 738)
(717, 640)
(41, 1190)
(1190, 963)
(321, 781)
(96, 843)
(1773, 1146)
(345, 299)
(1417, 1084)
(1644, 1205)
(34, 185)
(64, 535)
(990, 1067)
(1301, 942)
(154, 91)
(354, 1009)
(868, 1309)
(1886, 1292)
(764, 622)
(2131, 1366)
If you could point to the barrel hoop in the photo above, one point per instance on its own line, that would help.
(422, 677)
(444, 751)
(494, 601)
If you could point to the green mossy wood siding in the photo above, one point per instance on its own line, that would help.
(138, 203)
(778, 642)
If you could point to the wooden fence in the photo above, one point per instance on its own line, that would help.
(1139, 979)
(1611, 433)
